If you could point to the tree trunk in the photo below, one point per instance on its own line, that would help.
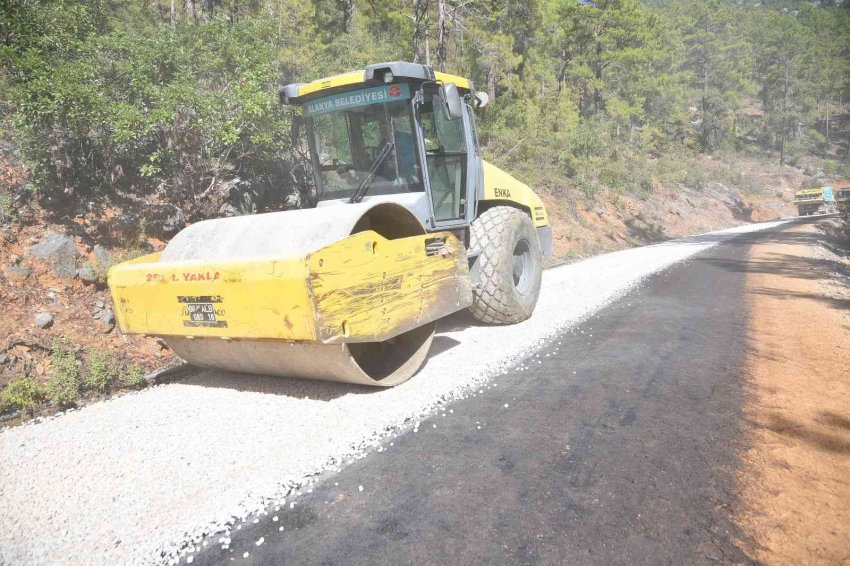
(705, 107)
(443, 35)
(597, 96)
(827, 121)
(420, 10)
(172, 13)
(347, 7)
(562, 75)
(784, 119)
(491, 84)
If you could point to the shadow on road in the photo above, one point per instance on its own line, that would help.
(841, 304)
(787, 265)
(791, 428)
(835, 420)
(783, 264)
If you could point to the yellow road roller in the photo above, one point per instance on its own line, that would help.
(411, 225)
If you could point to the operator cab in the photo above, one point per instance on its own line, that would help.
(370, 132)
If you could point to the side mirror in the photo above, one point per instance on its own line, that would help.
(452, 105)
(481, 99)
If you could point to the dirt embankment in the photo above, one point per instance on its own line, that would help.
(616, 220)
(796, 481)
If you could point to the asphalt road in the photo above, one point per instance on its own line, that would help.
(616, 446)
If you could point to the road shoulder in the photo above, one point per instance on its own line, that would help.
(795, 478)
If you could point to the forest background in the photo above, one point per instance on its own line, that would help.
(175, 101)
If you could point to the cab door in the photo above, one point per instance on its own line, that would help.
(449, 157)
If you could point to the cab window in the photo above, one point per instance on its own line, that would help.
(446, 159)
(347, 144)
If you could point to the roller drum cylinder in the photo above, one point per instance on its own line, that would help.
(292, 234)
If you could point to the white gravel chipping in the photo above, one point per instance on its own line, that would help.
(140, 478)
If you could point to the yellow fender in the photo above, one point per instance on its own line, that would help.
(502, 187)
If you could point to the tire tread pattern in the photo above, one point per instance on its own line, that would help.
(489, 233)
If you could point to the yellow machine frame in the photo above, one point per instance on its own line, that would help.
(363, 288)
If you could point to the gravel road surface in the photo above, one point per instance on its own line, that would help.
(139, 478)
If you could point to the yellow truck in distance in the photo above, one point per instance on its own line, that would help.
(815, 201)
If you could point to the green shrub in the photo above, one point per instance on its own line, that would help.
(103, 372)
(816, 138)
(63, 385)
(147, 105)
(21, 395)
(7, 212)
(696, 177)
(135, 376)
(831, 168)
(120, 256)
(587, 188)
(613, 174)
(617, 201)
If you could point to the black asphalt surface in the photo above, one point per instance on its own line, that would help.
(618, 448)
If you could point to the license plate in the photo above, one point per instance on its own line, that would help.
(206, 311)
(201, 312)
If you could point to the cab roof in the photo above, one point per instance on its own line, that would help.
(373, 75)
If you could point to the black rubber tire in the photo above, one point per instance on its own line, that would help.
(498, 299)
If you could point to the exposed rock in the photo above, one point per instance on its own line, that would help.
(15, 259)
(10, 416)
(59, 252)
(88, 274)
(100, 304)
(4, 357)
(16, 273)
(107, 317)
(164, 220)
(101, 257)
(44, 319)
(127, 226)
(293, 200)
(239, 203)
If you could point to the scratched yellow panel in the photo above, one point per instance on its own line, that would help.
(368, 289)
(256, 299)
